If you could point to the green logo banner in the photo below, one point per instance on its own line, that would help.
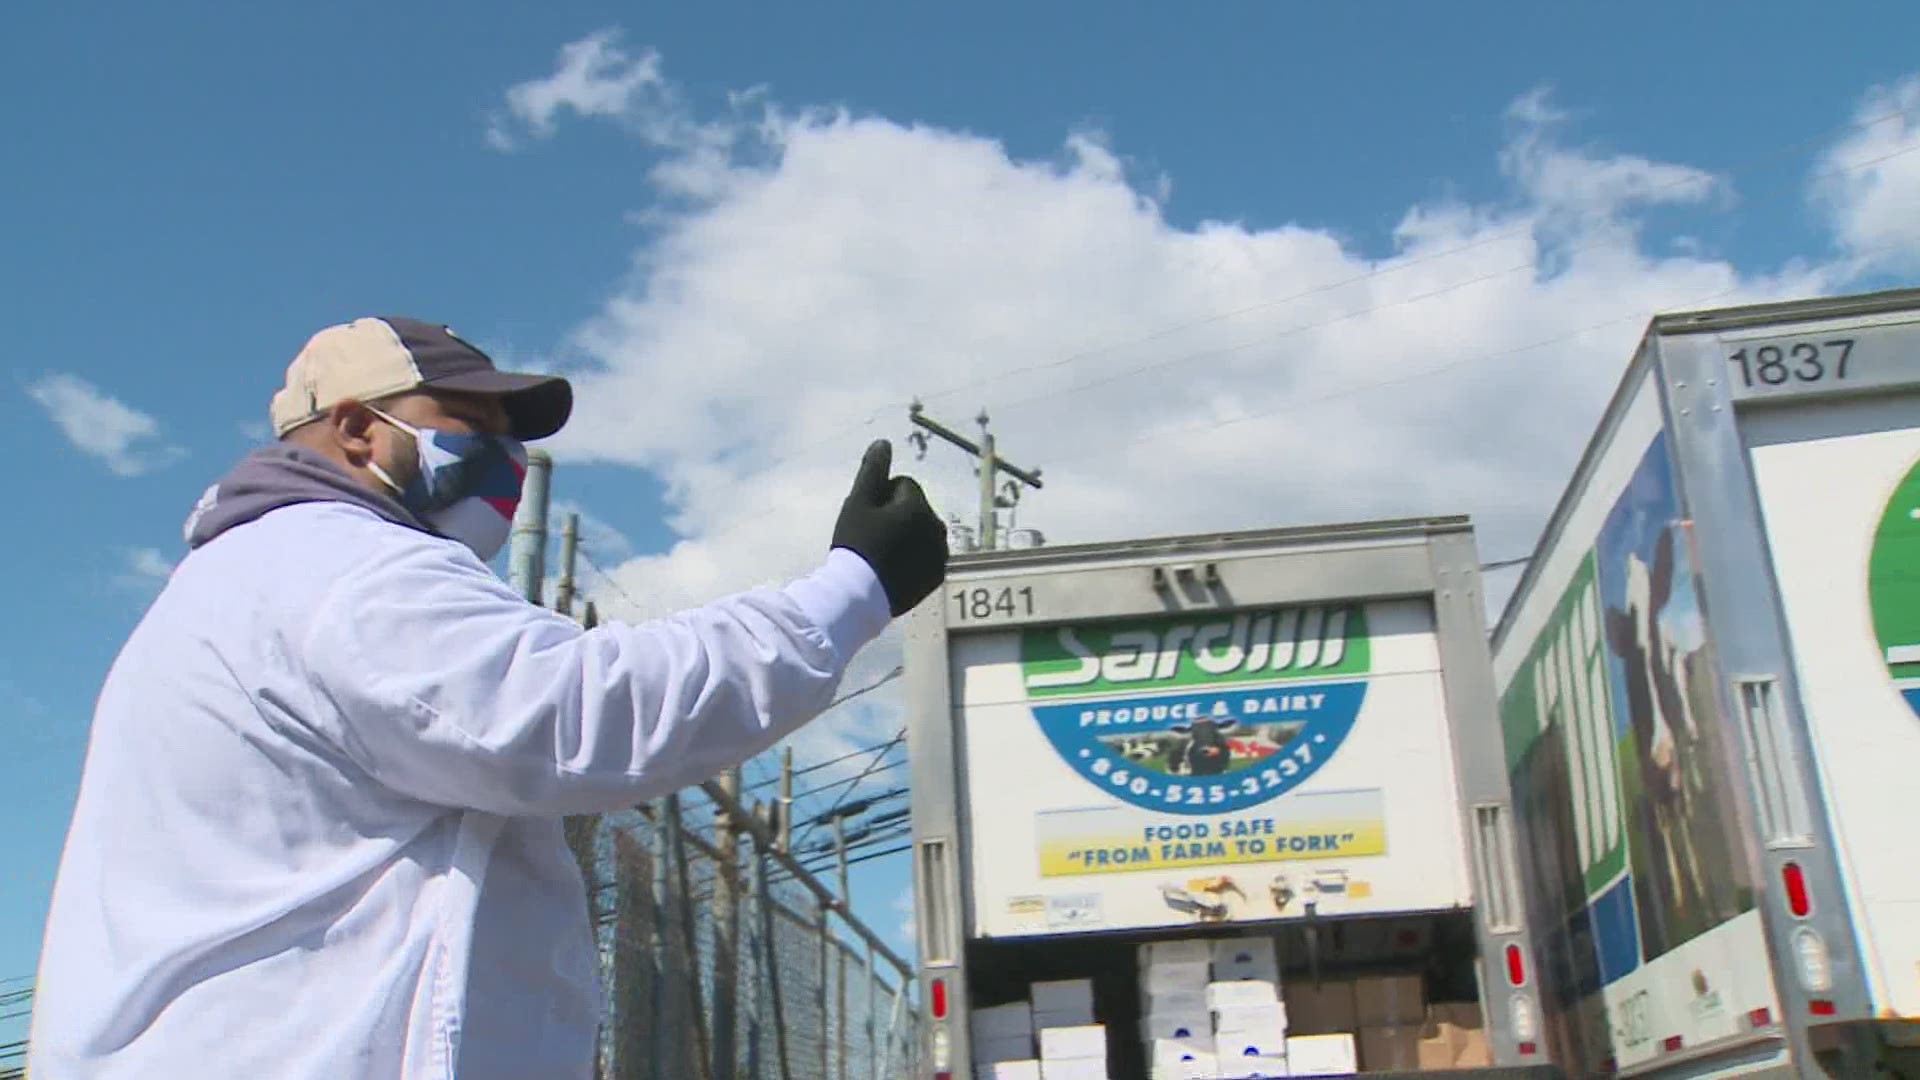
(1183, 652)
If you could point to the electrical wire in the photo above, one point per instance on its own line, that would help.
(851, 784)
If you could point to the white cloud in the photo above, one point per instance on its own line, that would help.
(144, 569)
(1168, 379)
(1554, 177)
(125, 439)
(903, 907)
(1869, 182)
(256, 431)
(596, 78)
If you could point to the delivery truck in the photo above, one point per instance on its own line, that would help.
(1709, 675)
(1216, 806)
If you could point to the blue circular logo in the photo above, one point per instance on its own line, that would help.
(1203, 753)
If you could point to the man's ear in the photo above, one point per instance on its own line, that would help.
(352, 426)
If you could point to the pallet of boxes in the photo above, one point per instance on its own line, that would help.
(1057, 1020)
(1219, 1009)
(1388, 1025)
(1212, 1009)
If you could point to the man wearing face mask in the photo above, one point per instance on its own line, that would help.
(318, 830)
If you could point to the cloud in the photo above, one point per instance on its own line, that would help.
(144, 569)
(1868, 183)
(593, 78)
(1167, 378)
(903, 907)
(1557, 178)
(125, 439)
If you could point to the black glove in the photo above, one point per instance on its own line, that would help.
(887, 522)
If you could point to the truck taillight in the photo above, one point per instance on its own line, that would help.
(939, 999)
(1516, 966)
(1799, 902)
(942, 1053)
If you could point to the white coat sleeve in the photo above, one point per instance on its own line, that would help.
(435, 678)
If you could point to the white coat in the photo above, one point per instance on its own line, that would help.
(318, 829)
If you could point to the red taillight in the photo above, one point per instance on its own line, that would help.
(1672, 1044)
(939, 999)
(1516, 966)
(943, 1075)
(1798, 900)
(1528, 1049)
(1760, 1018)
(1821, 1007)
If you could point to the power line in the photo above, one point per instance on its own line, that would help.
(851, 784)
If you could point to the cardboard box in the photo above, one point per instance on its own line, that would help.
(1242, 959)
(1251, 1018)
(1008, 1070)
(1178, 1025)
(1001, 1021)
(1190, 951)
(1389, 1000)
(1240, 1044)
(1068, 996)
(1384, 1048)
(1193, 1047)
(1455, 1037)
(1074, 1069)
(1247, 1068)
(1063, 1043)
(1191, 1000)
(1005, 1048)
(1199, 1067)
(1244, 992)
(1172, 977)
(1069, 1018)
(1322, 1055)
(1326, 1009)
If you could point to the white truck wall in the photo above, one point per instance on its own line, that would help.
(1642, 903)
(1069, 834)
(1858, 462)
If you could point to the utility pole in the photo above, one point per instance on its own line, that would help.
(840, 969)
(726, 935)
(783, 836)
(527, 558)
(990, 466)
(569, 547)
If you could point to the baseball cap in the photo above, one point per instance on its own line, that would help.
(371, 358)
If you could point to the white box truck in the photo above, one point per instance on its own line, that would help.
(1709, 676)
(1247, 788)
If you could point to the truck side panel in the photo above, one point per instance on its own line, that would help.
(1850, 586)
(1642, 894)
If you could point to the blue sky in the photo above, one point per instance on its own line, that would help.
(1126, 230)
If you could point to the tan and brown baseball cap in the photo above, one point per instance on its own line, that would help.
(371, 358)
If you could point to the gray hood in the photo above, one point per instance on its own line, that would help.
(282, 475)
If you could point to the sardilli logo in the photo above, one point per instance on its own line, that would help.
(1200, 717)
(1893, 586)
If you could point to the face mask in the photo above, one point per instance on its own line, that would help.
(467, 487)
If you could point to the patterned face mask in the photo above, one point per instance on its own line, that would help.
(467, 487)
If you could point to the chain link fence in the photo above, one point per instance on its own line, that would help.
(721, 964)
